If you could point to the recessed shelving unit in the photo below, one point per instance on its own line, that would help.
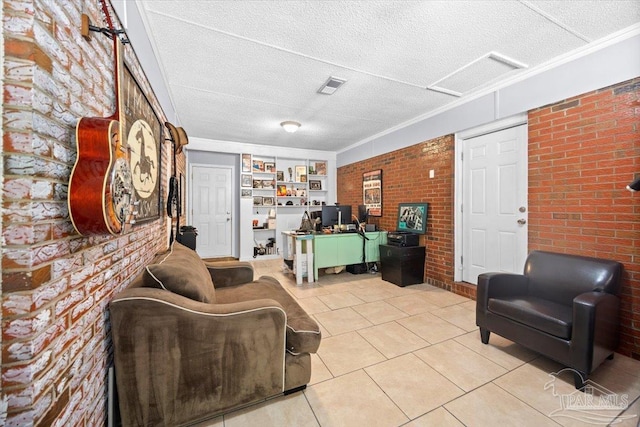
(276, 191)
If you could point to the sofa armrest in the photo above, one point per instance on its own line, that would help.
(171, 351)
(595, 327)
(230, 273)
(496, 285)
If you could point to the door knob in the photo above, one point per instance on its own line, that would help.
(522, 221)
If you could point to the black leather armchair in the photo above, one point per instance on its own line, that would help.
(565, 307)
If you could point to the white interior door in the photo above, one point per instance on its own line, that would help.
(212, 210)
(494, 210)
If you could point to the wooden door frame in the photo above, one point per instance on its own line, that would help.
(498, 125)
(234, 198)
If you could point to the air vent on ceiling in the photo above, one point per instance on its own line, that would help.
(331, 85)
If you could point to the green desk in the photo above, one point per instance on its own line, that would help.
(331, 250)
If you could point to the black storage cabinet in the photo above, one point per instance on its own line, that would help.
(402, 265)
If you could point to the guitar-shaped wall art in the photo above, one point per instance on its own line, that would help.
(101, 193)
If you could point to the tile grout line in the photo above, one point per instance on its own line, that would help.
(454, 338)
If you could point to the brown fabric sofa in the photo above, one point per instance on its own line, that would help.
(186, 350)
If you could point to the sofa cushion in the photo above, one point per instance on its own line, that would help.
(548, 316)
(303, 333)
(181, 271)
(561, 277)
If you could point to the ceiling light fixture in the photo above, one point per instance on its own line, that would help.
(290, 126)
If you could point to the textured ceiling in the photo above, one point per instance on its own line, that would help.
(236, 69)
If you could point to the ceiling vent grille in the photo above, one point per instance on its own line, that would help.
(331, 85)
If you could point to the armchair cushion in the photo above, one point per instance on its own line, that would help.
(544, 315)
(303, 333)
(181, 271)
(561, 277)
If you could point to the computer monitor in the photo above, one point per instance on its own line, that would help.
(332, 214)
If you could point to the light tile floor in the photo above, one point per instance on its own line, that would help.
(412, 356)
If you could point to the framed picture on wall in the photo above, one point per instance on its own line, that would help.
(142, 133)
(258, 165)
(246, 181)
(246, 163)
(372, 192)
(267, 201)
(300, 171)
(268, 183)
(270, 167)
(315, 184)
(246, 192)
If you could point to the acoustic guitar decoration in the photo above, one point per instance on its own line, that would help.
(101, 192)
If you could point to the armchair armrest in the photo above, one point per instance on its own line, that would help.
(171, 351)
(492, 285)
(230, 273)
(595, 327)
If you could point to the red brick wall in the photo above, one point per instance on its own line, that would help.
(56, 285)
(405, 178)
(582, 153)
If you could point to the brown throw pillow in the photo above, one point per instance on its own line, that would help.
(182, 272)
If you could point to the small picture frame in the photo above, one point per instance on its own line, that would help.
(245, 181)
(315, 184)
(280, 176)
(270, 167)
(258, 165)
(268, 183)
(268, 201)
(300, 170)
(312, 170)
(246, 163)
(246, 192)
(281, 190)
(303, 178)
(257, 183)
(257, 200)
(321, 168)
